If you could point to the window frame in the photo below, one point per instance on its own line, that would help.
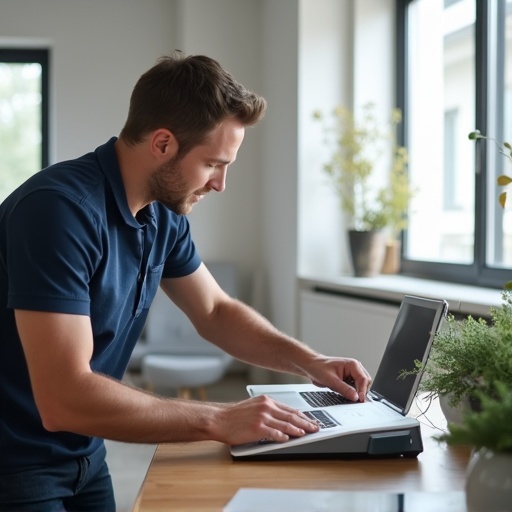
(477, 273)
(40, 56)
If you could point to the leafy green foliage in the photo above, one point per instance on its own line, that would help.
(468, 356)
(358, 145)
(491, 427)
(503, 180)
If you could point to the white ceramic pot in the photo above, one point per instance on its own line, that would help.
(489, 482)
(451, 413)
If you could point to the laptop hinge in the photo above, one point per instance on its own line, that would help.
(392, 406)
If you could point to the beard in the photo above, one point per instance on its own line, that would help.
(168, 186)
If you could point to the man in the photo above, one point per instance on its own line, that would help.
(84, 245)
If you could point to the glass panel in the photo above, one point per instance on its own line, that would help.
(20, 123)
(499, 240)
(441, 113)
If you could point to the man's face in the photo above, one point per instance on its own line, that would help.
(179, 184)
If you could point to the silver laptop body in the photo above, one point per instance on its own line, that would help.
(347, 426)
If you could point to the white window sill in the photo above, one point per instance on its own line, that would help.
(463, 299)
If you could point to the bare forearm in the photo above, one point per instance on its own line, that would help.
(249, 337)
(70, 397)
(114, 411)
(103, 407)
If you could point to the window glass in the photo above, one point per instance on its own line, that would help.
(499, 239)
(21, 119)
(440, 114)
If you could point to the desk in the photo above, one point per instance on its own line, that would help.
(202, 476)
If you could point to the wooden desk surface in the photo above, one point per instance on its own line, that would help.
(202, 476)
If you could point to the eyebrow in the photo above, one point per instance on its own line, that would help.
(221, 161)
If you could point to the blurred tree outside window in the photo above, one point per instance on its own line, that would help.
(23, 116)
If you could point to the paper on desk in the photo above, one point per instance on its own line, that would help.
(287, 500)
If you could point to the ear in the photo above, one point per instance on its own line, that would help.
(163, 144)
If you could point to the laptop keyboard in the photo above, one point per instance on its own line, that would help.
(324, 398)
(323, 419)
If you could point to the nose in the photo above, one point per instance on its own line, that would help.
(218, 180)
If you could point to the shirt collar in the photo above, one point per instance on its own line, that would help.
(109, 164)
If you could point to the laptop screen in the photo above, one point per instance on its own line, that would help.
(411, 338)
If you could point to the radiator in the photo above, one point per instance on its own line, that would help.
(339, 325)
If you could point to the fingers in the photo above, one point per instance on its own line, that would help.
(263, 419)
(354, 382)
(362, 380)
(282, 422)
(358, 380)
(348, 391)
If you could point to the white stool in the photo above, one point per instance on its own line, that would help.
(183, 372)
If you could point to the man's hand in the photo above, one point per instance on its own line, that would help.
(344, 375)
(260, 418)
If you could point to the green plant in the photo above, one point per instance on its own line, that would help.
(505, 149)
(468, 356)
(502, 180)
(490, 427)
(358, 145)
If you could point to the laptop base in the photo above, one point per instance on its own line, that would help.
(405, 442)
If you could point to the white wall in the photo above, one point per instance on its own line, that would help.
(97, 54)
(326, 54)
(228, 225)
(279, 194)
(347, 58)
(297, 53)
(99, 48)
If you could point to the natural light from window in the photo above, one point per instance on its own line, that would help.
(442, 78)
(499, 241)
(20, 123)
(441, 114)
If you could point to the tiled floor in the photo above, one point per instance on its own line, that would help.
(129, 462)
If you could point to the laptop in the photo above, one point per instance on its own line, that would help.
(380, 425)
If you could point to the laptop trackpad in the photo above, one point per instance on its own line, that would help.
(291, 398)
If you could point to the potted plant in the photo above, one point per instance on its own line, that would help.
(395, 199)
(467, 357)
(489, 432)
(358, 145)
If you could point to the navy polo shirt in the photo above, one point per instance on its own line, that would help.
(69, 244)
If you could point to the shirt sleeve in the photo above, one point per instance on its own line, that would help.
(183, 258)
(53, 250)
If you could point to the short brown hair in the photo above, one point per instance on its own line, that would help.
(189, 96)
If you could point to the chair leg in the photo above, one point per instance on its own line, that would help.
(184, 393)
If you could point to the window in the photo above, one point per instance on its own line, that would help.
(455, 76)
(23, 115)
(450, 140)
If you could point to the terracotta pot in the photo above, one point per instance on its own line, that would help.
(392, 257)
